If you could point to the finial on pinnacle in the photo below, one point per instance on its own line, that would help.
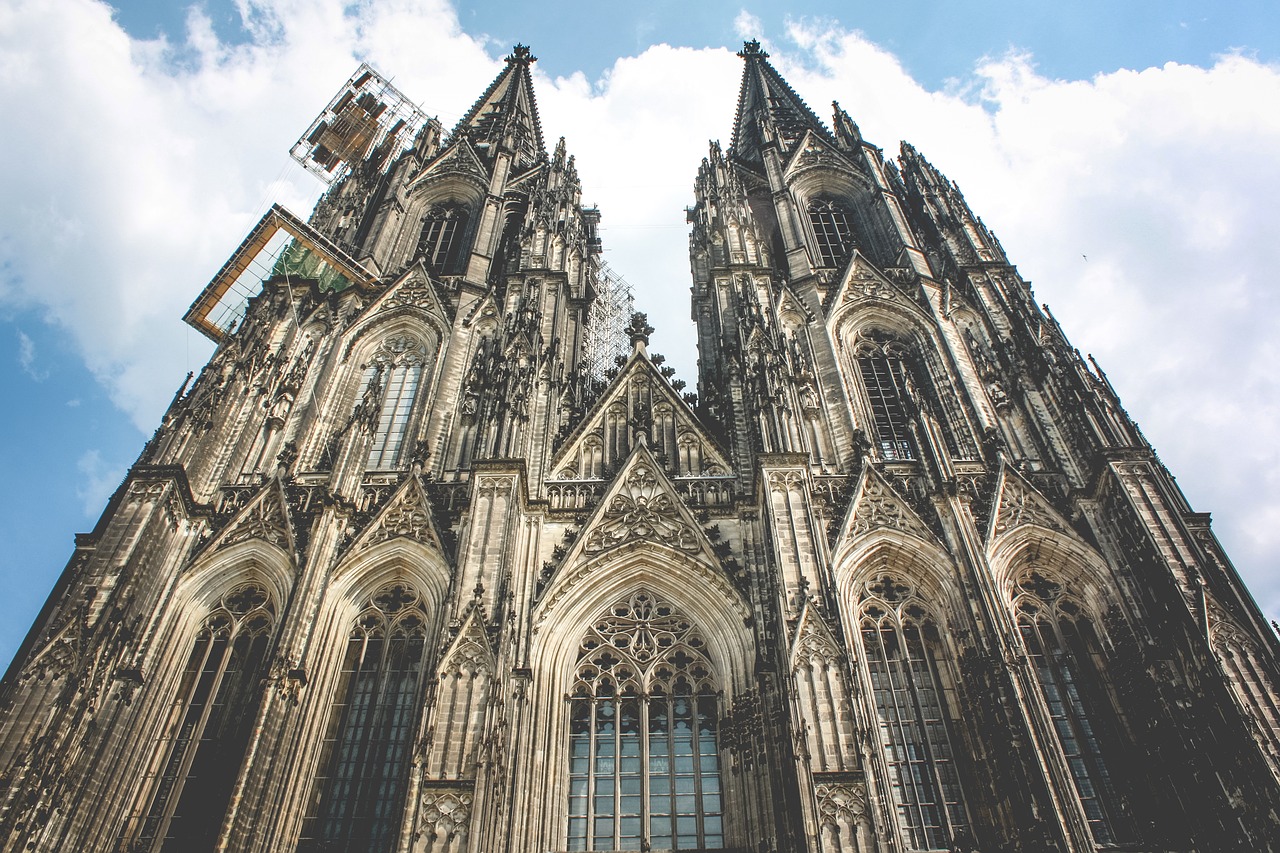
(639, 329)
(520, 53)
(752, 48)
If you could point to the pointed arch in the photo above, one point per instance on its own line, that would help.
(372, 724)
(902, 609)
(898, 371)
(644, 761)
(1058, 590)
(587, 591)
(227, 612)
(391, 362)
(582, 590)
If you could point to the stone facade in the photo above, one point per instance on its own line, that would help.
(397, 573)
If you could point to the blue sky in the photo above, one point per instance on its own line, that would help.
(1138, 135)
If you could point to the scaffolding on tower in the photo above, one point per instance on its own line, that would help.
(367, 119)
(605, 337)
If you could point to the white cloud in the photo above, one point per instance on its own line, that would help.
(98, 480)
(747, 25)
(27, 357)
(139, 174)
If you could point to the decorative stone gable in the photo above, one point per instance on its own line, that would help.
(876, 505)
(411, 290)
(407, 514)
(265, 517)
(642, 506)
(470, 650)
(813, 151)
(458, 159)
(863, 281)
(640, 403)
(814, 643)
(1017, 502)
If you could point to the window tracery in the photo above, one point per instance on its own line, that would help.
(387, 393)
(903, 655)
(1059, 640)
(644, 769)
(1253, 686)
(443, 233)
(215, 708)
(832, 232)
(359, 795)
(886, 379)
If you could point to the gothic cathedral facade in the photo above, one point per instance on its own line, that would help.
(404, 570)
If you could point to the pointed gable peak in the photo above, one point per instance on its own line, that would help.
(641, 505)
(769, 110)
(877, 505)
(506, 115)
(1017, 502)
(639, 405)
(264, 516)
(407, 514)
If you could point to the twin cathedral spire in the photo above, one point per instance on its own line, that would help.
(433, 557)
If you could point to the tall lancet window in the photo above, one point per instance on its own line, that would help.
(1060, 642)
(885, 380)
(387, 394)
(367, 749)
(832, 232)
(212, 716)
(909, 683)
(443, 234)
(644, 767)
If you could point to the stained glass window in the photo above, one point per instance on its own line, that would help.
(644, 767)
(386, 398)
(443, 233)
(1058, 640)
(365, 765)
(214, 708)
(902, 652)
(883, 377)
(832, 231)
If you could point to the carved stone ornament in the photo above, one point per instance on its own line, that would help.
(445, 811)
(786, 481)
(842, 803)
(469, 652)
(1020, 504)
(406, 515)
(412, 293)
(864, 284)
(878, 505)
(265, 519)
(643, 509)
(814, 645)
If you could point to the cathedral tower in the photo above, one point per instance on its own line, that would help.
(432, 556)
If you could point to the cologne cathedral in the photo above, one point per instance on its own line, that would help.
(435, 556)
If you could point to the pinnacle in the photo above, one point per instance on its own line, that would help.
(520, 54)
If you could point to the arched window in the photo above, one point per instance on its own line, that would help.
(902, 652)
(365, 764)
(214, 712)
(443, 234)
(832, 232)
(644, 766)
(1254, 687)
(387, 393)
(1060, 644)
(885, 379)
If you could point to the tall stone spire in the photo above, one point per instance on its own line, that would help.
(506, 115)
(769, 110)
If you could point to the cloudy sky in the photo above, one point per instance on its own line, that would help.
(1125, 153)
